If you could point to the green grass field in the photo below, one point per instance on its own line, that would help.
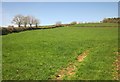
(40, 54)
(96, 25)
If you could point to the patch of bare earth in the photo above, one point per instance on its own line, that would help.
(81, 57)
(70, 69)
(117, 67)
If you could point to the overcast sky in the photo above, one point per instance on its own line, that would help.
(51, 12)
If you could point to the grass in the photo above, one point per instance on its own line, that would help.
(97, 25)
(39, 54)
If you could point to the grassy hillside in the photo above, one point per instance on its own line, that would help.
(97, 25)
(39, 54)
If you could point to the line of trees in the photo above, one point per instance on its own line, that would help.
(111, 20)
(25, 20)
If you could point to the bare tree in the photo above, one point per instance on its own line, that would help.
(36, 22)
(31, 20)
(18, 20)
(25, 20)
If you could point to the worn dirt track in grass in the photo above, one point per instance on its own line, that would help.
(117, 67)
(70, 69)
(81, 57)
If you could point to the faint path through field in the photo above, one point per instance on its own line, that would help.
(71, 68)
(117, 67)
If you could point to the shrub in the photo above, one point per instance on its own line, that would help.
(4, 31)
(111, 20)
(10, 29)
(0, 30)
(73, 23)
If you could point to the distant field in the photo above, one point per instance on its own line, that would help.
(97, 25)
(40, 54)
